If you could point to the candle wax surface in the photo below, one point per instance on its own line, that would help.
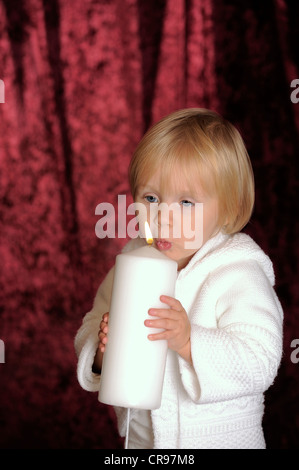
(133, 366)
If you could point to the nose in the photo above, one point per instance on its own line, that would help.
(162, 217)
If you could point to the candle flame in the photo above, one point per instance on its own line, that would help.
(148, 233)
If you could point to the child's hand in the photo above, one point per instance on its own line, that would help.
(103, 332)
(175, 322)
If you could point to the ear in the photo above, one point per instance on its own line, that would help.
(224, 226)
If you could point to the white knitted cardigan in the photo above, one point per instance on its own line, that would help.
(236, 346)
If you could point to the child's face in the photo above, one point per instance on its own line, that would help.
(172, 246)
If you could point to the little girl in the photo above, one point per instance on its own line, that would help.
(224, 326)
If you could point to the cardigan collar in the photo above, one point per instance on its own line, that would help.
(215, 242)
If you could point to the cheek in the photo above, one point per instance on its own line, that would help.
(187, 222)
(210, 222)
(193, 222)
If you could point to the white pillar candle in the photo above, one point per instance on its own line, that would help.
(133, 366)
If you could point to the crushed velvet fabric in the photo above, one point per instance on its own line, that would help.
(83, 81)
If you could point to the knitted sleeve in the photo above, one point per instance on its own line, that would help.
(240, 354)
(86, 340)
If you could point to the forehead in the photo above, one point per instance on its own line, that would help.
(174, 181)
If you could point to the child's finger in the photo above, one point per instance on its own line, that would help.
(161, 335)
(164, 313)
(102, 341)
(105, 317)
(104, 327)
(166, 323)
(172, 302)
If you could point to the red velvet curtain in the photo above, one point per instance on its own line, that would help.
(83, 81)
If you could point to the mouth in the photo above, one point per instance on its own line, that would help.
(163, 245)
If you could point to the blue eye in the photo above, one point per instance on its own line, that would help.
(151, 199)
(187, 203)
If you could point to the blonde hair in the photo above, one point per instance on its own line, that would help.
(207, 147)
